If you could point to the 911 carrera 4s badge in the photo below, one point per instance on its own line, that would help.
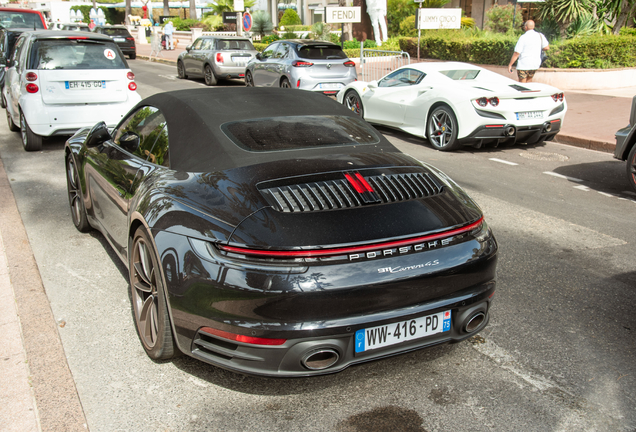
(400, 269)
(391, 334)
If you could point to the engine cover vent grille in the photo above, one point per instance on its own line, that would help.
(339, 193)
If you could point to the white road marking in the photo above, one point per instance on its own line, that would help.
(583, 188)
(563, 177)
(503, 161)
(170, 77)
(608, 195)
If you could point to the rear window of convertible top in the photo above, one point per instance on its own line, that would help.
(75, 54)
(299, 132)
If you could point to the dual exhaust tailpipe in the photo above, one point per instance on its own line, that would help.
(320, 359)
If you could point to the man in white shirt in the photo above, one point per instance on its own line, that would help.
(168, 30)
(528, 50)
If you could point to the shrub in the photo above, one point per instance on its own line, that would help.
(269, 39)
(627, 31)
(499, 18)
(407, 27)
(262, 23)
(260, 47)
(290, 17)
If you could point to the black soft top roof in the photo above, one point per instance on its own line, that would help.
(198, 143)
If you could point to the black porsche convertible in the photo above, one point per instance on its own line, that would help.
(276, 233)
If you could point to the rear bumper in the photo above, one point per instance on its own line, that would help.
(49, 120)
(510, 133)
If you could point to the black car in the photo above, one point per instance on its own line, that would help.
(284, 239)
(121, 36)
(626, 146)
(8, 37)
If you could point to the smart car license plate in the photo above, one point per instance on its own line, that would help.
(391, 334)
(85, 85)
(330, 86)
(529, 115)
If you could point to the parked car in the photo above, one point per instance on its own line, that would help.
(626, 146)
(121, 36)
(279, 239)
(316, 66)
(22, 18)
(8, 37)
(76, 27)
(216, 57)
(453, 104)
(61, 81)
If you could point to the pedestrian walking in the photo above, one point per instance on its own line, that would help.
(167, 31)
(528, 51)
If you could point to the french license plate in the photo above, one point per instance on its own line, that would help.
(240, 61)
(85, 85)
(119, 39)
(391, 334)
(330, 86)
(529, 115)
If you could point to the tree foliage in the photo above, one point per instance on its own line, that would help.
(290, 17)
(262, 23)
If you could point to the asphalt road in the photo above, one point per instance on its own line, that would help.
(558, 355)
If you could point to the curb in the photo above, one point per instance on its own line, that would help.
(587, 143)
(157, 59)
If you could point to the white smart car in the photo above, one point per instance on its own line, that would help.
(453, 104)
(62, 81)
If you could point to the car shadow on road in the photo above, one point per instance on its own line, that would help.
(608, 177)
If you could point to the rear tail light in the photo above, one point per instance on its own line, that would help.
(129, 38)
(132, 86)
(483, 101)
(32, 88)
(31, 76)
(300, 63)
(349, 64)
(130, 76)
(557, 97)
(243, 338)
(219, 58)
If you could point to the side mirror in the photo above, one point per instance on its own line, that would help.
(259, 56)
(373, 84)
(188, 48)
(98, 135)
(129, 141)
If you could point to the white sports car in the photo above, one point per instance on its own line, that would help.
(453, 104)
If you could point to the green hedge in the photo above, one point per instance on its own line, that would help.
(595, 52)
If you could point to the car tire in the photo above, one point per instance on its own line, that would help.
(441, 128)
(3, 100)
(75, 201)
(132, 56)
(149, 306)
(284, 83)
(631, 167)
(208, 75)
(353, 102)
(181, 70)
(12, 126)
(30, 141)
(249, 79)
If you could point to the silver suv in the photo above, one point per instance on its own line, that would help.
(304, 64)
(216, 57)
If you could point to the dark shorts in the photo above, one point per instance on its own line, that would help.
(525, 74)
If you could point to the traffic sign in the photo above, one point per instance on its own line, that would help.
(247, 21)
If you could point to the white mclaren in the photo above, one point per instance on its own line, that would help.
(453, 104)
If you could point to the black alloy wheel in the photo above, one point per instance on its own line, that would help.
(181, 70)
(30, 141)
(148, 299)
(284, 83)
(441, 129)
(631, 167)
(12, 126)
(354, 103)
(78, 211)
(209, 77)
(249, 79)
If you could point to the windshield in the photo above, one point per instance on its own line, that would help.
(461, 74)
(228, 44)
(76, 54)
(321, 52)
(299, 132)
(13, 19)
(115, 32)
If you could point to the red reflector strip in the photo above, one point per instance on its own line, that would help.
(355, 183)
(242, 338)
(494, 126)
(366, 185)
(77, 37)
(346, 250)
(555, 121)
